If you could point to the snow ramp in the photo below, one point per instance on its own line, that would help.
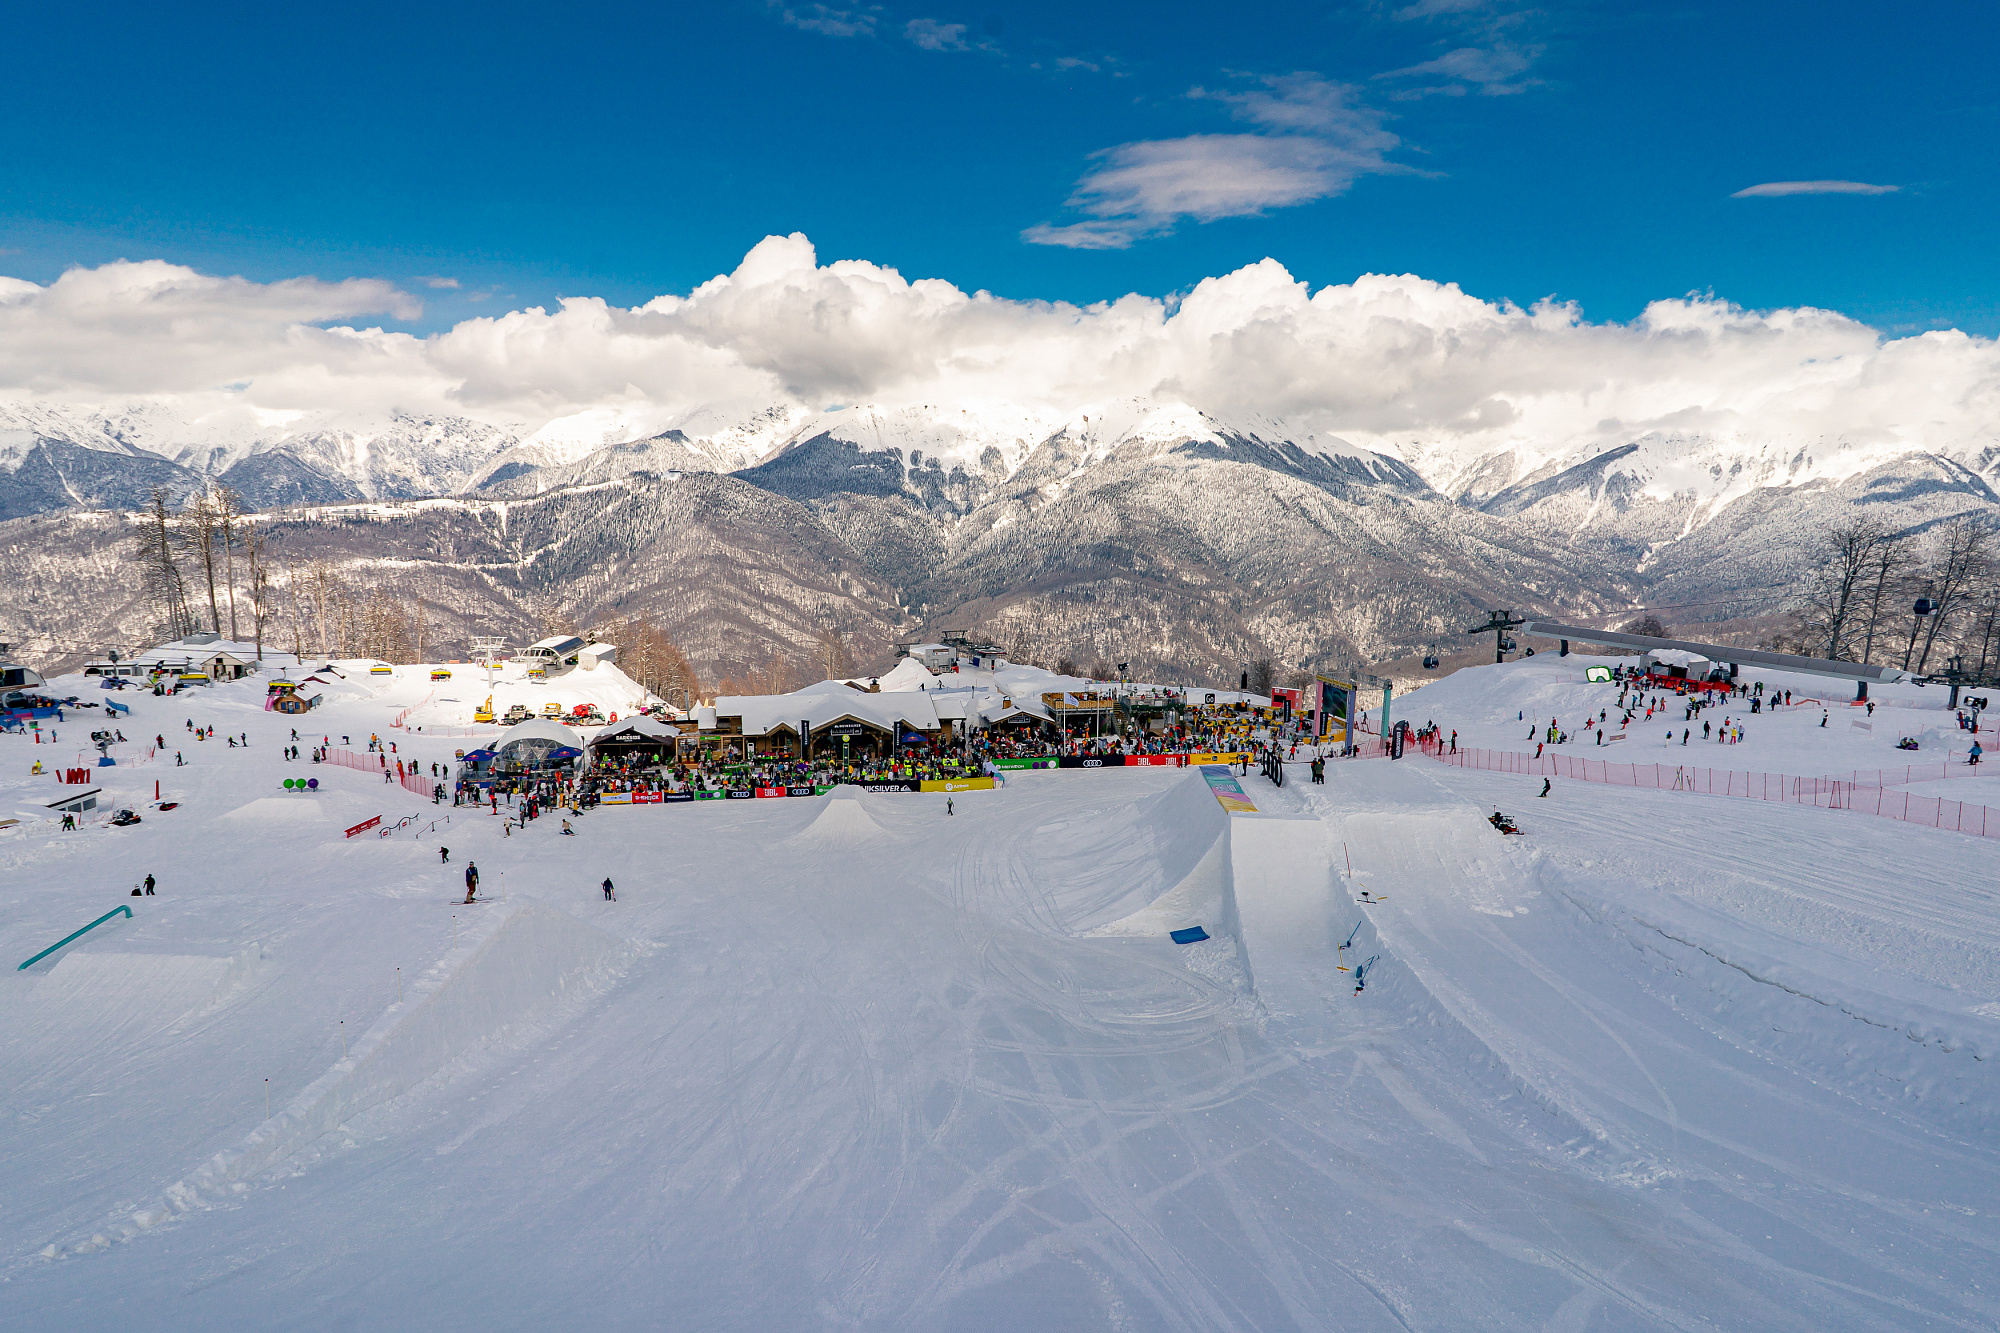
(501, 980)
(843, 821)
(1157, 866)
(91, 1005)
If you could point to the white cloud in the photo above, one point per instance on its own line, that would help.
(1777, 189)
(440, 284)
(1322, 140)
(830, 22)
(935, 36)
(1399, 363)
(1493, 71)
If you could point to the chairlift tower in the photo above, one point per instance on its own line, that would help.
(1497, 624)
(487, 648)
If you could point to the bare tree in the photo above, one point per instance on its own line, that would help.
(1827, 608)
(834, 657)
(260, 578)
(650, 657)
(200, 520)
(292, 590)
(1260, 675)
(1648, 625)
(1888, 567)
(323, 600)
(160, 571)
(1986, 626)
(1954, 573)
(228, 510)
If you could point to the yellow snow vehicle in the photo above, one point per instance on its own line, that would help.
(484, 713)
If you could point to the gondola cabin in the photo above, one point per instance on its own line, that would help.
(381, 669)
(440, 673)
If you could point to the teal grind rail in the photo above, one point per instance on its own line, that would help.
(67, 938)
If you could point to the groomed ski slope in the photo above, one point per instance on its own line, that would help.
(1664, 1062)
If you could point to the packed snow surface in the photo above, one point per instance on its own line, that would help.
(1665, 1061)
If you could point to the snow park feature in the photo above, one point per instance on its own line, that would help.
(1132, 1046)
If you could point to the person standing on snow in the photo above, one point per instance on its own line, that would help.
(471, 879)
(610, 894)
(947, 806)
(444, 855)
(149, 886)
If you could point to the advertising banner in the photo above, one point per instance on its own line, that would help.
(364, 826)
(668, 798)
(769, 791)
(1334, 705)
(708, 796)
(1228, 792)
(893, 784)
(798, 791)
(647, 797)
(1154, 760)
(1221, 757)
(1011, 764)
(958, 784)
(615, 798)
(1075, 761)
(740, 793)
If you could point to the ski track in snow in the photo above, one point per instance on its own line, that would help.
(1665, 1062)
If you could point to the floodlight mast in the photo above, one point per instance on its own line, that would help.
(1497, 624)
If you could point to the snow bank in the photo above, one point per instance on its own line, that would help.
(497, 980)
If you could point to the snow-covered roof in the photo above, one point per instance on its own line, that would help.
(182, 651)
(763, 713)
(633, 727)
(539, 729)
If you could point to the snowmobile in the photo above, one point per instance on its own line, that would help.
(1505, 823)
(124, 818)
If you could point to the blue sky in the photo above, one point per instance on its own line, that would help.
(495, 156)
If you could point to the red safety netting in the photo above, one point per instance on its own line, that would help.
(378, 763)
(1865, 792)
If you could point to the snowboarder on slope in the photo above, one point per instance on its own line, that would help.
(471, 879)
(444, 855)
(1546, 784)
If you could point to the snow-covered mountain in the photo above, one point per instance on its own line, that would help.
(1150, 529)
(273, 458)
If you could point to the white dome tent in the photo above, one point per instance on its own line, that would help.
(535, 744)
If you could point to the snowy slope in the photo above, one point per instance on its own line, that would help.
(1666, 1062)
